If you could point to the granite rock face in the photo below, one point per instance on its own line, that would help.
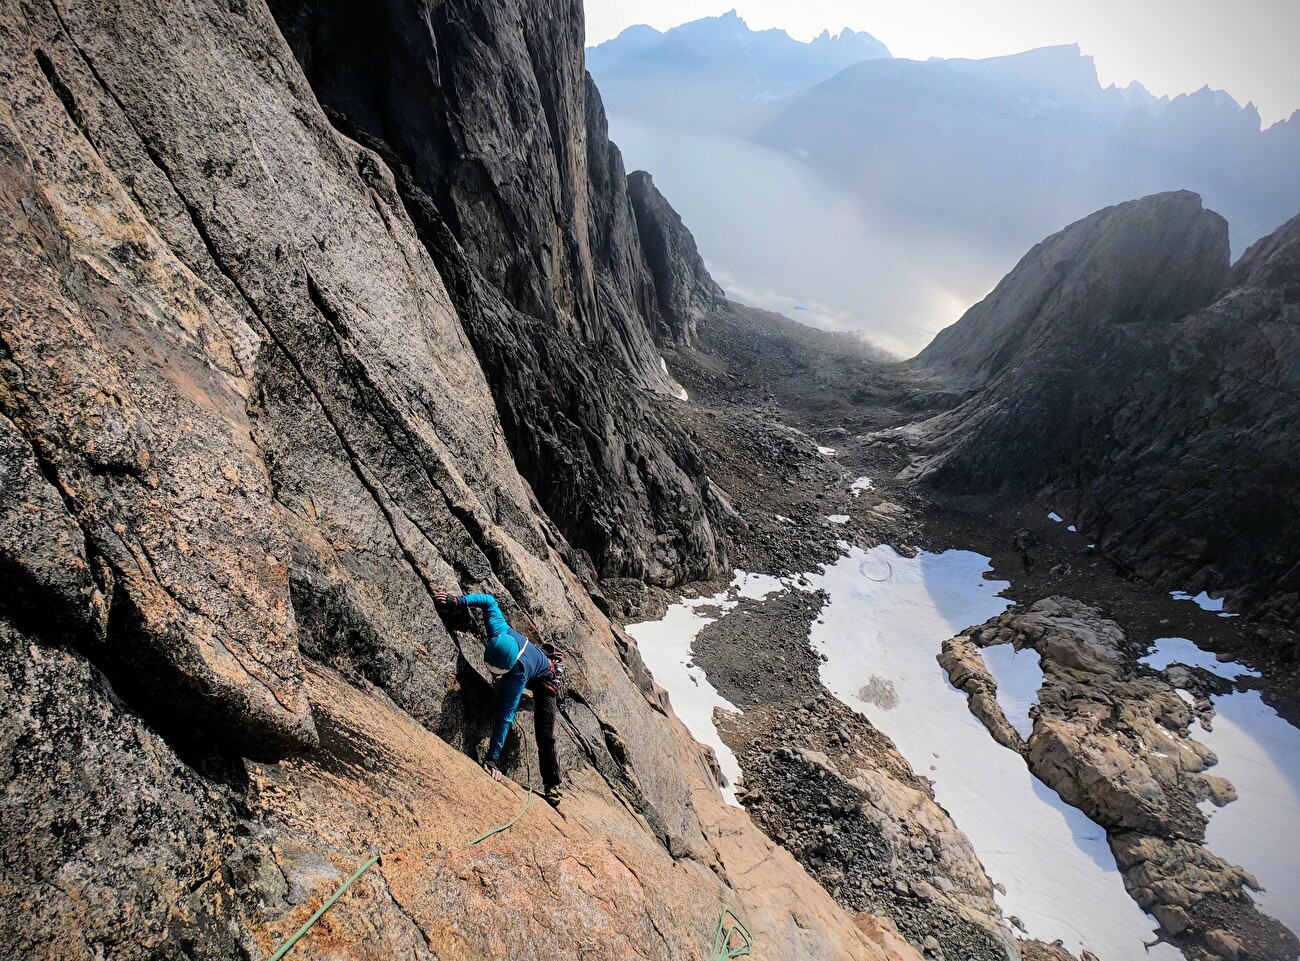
(1116, 741)
(501, 152)
(687, 294)
(243, 439)
(1126, 374)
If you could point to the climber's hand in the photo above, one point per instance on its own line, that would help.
(442, 598)
(492, 770)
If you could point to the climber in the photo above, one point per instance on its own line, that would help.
(517, 663)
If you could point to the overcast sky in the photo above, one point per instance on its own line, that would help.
(1250, 48)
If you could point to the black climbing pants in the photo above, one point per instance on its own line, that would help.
(544, 711)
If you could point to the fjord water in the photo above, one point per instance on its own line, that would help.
(778, 235)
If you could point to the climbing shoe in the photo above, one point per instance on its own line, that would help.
(552, 795)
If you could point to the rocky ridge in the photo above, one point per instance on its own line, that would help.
(245, 435)
(1114, 740)
(1125, 375)
(499, 145)
(686, 292)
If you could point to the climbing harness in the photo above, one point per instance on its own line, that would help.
(558, 682)
(329, 903)
(728, 931)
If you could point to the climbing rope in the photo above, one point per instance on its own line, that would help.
(729, 926)
(329, 903)
(727, 931)
(529, 800)
(284, 948)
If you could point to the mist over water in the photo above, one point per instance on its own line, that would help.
(778, 235)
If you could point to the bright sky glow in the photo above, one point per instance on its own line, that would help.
(1248, 48)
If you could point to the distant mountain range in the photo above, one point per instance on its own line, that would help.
(709, 71)
(1016, 146)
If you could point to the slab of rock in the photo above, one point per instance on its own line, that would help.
(244, 437)
(1115, 741)
(503, 160)
(126, 375)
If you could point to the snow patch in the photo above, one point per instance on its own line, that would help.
(860, 485)
(826, 451)
(838, 518)
(1054, 517)
(1019, 675)
(665, 647)
(681, 393)
(1179, 650)
(1204, 601)
(1259, 753)
(1072, 529)
(757, 587)
(888, 629)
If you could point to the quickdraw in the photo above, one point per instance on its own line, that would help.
(558, 683)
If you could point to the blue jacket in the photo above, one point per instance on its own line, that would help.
(515, 659)
(503, 642)
(532, 664)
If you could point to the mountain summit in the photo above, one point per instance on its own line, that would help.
(1124, 373)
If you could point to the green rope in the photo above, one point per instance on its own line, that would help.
(722, 949)
(509, 824)
(727, 929)
(284, 948)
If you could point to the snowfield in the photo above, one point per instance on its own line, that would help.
(1019, 675)
(1204, 601)
(1259, 753)
(881, 629)
(1179, 650)
(665, 647)
(886, 619)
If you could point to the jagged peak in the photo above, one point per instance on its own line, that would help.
(732, 20)
(1287, 123)
(1273, 261)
